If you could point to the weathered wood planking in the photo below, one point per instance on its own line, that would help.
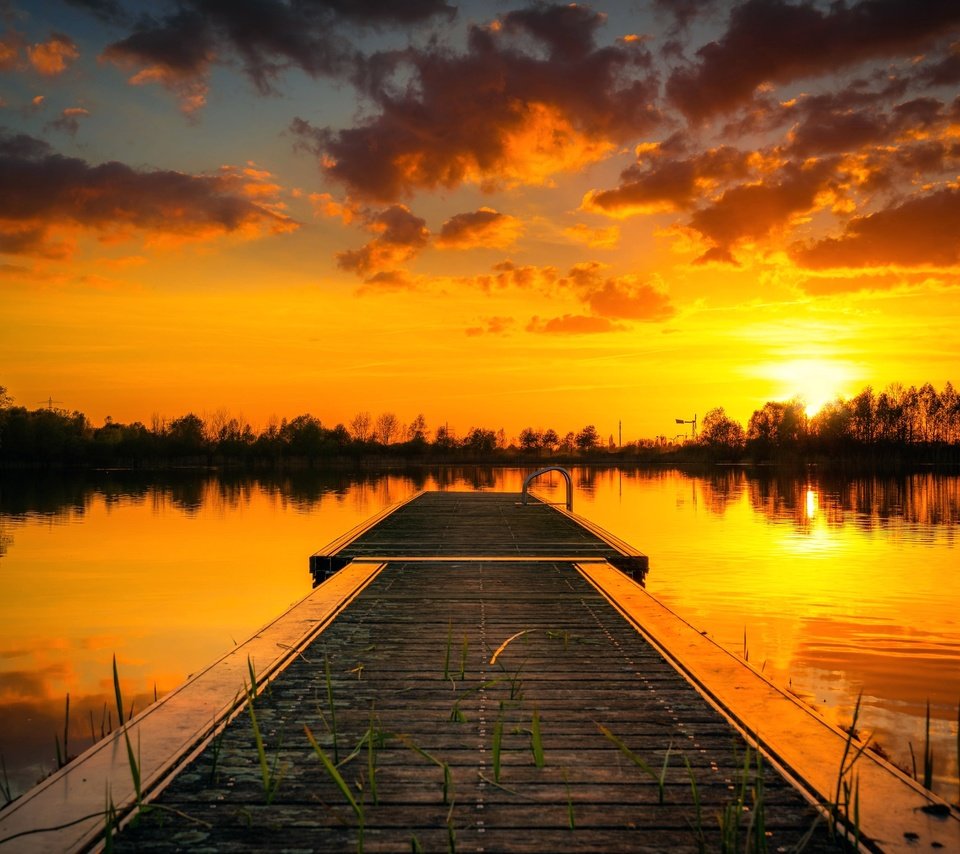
(395, 657)
(478, 524)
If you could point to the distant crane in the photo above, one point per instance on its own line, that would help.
(692, 422)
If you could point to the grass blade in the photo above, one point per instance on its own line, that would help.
(536, 741)
(341, 784)
(116, 691)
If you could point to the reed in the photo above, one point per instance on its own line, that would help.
(463, 657)
(116, 692)
(698, 811)
(840, 808)
(443, 766)
(659, 777)
(497, 743)
(536, 741)
(270, 774)
(5, 789)
(341, 784)
(332, 708)
(446, 659)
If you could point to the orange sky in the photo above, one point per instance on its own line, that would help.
(532, 214)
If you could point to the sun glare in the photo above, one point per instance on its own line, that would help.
(815, 381)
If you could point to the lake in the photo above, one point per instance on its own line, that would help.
(830, 585)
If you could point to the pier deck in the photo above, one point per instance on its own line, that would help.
(481, 696)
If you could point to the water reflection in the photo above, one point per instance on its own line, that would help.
(839, 584)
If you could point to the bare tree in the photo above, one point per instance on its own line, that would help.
(387, 427)
(417, 429)
(360, 426)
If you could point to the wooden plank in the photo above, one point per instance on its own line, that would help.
(396, 656)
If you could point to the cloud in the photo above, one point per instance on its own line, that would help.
(69, 121)
(106, 10)
(921, 231)
(400, 236)
(324, 204)
(386, 281)
(10, 46)
(595, 238)
(630, 300)
(268, 36)
(573, 324)
(531, 97)
(51, 58)
(176, 53)
(752, 211)
(45, 198)
(659, 181)
(483, 227)
(850, 121)
(772, 41)
(491, 326)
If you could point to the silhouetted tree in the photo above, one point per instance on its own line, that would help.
(360, 426)
(719, 432)
(588, 438)
(387, 427)
(549, 440)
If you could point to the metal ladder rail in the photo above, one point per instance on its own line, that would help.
(566, 475)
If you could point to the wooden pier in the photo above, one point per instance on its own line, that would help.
(486, 677)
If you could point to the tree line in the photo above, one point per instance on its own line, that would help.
(902, 423)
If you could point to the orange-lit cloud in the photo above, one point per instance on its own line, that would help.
(10, 46)
(51, 58)
(498, 113)
(386, 281)
(46, 198)
(324, 204)
(662, 181)
(595, 238)
(492, 326)
(69, 120)
(573, 324)
(400, 236)
(752, 211)
(177, 54)
(482, 227)
(921, 231)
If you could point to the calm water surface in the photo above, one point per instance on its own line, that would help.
(832, 586)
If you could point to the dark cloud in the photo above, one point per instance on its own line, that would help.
(922, 231)
(269, 36)
(68, 121)
(43, 193)
(483, 227)
(838, 123)
(659, 181)
(496, 114)
(566, 31)
(945, 72)
(752, 211)
(110, 11)
(400, 236)
(775, 41)
(684, 11)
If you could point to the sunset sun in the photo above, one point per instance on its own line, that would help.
(814, 381)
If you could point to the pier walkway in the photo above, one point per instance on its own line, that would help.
(484, 678)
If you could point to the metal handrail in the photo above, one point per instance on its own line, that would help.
(566, 475)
